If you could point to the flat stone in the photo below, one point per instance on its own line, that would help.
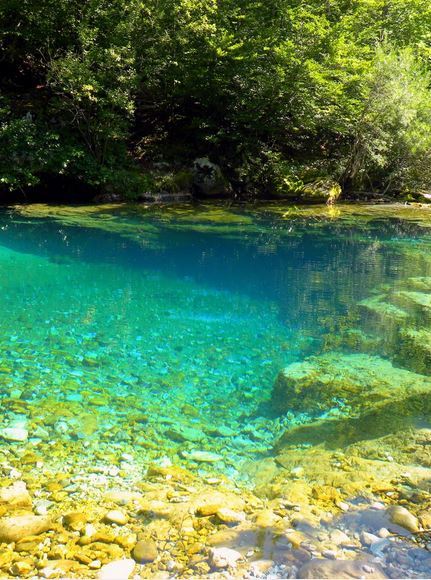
(185, 434)
(228, 516)
(145, 551)
(14, 434)
(116, 517)
(364, 382)
(202, 456)
(117, 570)
(224, 557)
(15, 528)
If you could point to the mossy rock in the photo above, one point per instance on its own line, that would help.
(348, 384)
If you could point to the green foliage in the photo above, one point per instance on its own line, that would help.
(281, 94)
(392, 143)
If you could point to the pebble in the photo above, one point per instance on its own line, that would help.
(202, 456)
(14, 434)
(145, 551)
(401, 516)
(338, 537)
(368, 539)
(116, 517)
(229, 516)
(224, 557)
(117, 570)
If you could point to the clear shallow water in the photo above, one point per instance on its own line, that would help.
(282, 357)
(166, 331)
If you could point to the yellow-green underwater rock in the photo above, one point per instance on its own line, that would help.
(354, 383)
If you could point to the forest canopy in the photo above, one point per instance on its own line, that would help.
(121, 96)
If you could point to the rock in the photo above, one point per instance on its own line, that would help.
(14, 434)
(202, 456)
(15, 528)
(338, 537)
(57, 569)
(121, 497)
(368, 539)
(228, 516)
(402, 517)
(116, 517)
(185, 434)
(145, 551)
(21, 568)
(224, 557)
(75, 520)
(15, 495)
(208, 178)
(117, 570)
(363, 382)
(319, 568)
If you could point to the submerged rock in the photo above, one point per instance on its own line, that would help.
(117, 570)
(202, 456)
(15, 528)
(145, 551)
(401, 516)
(15, 495)
(14, 434)
(224, 557)
(354, 383)
(116, 517)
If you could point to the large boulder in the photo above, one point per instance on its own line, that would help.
(348, 384)
(208, 179)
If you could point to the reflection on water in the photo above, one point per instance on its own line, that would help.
(288, 353)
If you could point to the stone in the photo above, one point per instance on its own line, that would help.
(361, 381)
(368, 539)
(338, 537)
(401, 516)
(16, 495)
(21, 568)
(15, 528)
(202, 456)
(75, 520)
(116, 517)
(224, 557)
(228, 516)
(14, 434)
(208, 178)
(340, 569)
(184, 433)
(57, 569)
(145, 551)
(117, 570)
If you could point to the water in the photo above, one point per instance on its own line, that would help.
(133, 337)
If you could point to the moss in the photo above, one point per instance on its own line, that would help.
(348, 384)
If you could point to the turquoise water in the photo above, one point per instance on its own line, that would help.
(165, 336)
